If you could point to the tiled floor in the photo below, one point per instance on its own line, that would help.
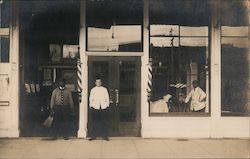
(123, 148)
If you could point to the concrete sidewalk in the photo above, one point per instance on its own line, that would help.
(123, 148)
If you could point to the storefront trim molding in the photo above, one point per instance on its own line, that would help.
(88, 53)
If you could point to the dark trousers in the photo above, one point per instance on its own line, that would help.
(61, 121)
(99, 123)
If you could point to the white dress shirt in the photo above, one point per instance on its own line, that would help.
(197, 97)
(99, 98)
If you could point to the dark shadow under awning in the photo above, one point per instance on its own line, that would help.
(105, 13)
(180, 12)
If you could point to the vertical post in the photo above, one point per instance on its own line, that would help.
(172, 57)
(144, 68)
(83, 106)
(248, 4)
(14, 80)
(54, 75)
(215, 69)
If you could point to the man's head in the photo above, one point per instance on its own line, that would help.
(195, 83)
(98, 82)
(61, 83)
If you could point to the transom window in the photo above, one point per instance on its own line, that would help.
(114, 25)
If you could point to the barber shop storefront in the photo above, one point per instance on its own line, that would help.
(172, 68)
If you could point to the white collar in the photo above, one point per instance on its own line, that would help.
(61, 88)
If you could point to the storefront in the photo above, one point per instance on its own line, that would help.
(147, 52)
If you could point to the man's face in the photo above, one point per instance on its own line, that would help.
(98, 82)
(195, 85)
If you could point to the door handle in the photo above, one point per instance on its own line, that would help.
(7, 80)
(116, 96)
(111, 96)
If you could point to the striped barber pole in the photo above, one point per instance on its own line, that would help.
(79, 80)
(149, 87)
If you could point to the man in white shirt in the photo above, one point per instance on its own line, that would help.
(98, 103)
(198, 98)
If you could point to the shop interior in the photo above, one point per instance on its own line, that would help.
(49, 42)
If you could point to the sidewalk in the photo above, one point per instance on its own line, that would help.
(123, 148)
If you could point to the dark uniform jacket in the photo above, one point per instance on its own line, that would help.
(61, 98)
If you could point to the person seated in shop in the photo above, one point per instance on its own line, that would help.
(162, 105)
(197, 98)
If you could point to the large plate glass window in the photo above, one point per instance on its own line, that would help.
(114, 25)
(235, 57)
(179, 57)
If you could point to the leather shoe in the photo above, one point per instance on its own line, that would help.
(92, 138)
(66, 138)
(106, 138)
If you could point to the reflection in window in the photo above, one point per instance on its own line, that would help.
(179, 56)
(114, 25)
(235, 57)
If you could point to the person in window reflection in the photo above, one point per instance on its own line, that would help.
(197, 97)
(62, 107)
(161, 106)
(99, 102)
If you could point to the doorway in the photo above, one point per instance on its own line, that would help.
(121, 76)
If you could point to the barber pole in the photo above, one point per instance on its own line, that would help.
(79, 80)
(149, 87)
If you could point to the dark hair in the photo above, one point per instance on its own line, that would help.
(61, 80)
(98, 78)
(195, 82)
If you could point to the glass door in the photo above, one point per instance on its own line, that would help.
(121, 76)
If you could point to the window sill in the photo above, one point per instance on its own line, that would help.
(180, 114)
(235, 114)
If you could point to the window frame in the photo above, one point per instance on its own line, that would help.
(230, 114)
(207, 72)
(115, 53)
(233, 114)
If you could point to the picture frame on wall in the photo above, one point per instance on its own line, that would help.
(55, 52)
(70, 51)
(47, 74)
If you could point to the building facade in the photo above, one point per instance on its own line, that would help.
(147, 52)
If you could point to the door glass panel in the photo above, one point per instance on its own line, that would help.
(127, 88)
(101, 70)
(114, 25)
(5, 13)
(4, 49)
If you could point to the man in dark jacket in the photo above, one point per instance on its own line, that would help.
(61, 105)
